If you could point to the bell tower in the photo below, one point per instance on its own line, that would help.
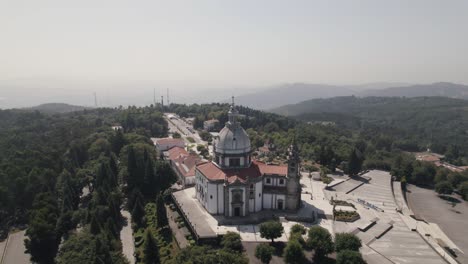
(293, 186)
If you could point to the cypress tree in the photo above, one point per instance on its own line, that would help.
(138, 212)
(132, 168)
(94, 226)
(150, 250)
(161, 215)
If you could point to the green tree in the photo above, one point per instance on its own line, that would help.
(42, 239)
(347, 241)
(349, 257)
(463, 188)
(150, 249)
(320, 240)
(444, 187)
(294, 253)
(232, 241)
(271, 230)
(355, 162)
(138, 213)
(161, 214)
(264, 252)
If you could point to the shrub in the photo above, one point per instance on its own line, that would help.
(232, 241)
(320, 240)
(347, 241)
(264, 252)
(294, 253)
(298, 228)
(349, 257)
(444, 187)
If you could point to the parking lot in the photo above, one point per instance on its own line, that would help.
(451, 217)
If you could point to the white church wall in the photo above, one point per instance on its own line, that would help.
(258, 196)
(220, 199)
(211, 198)
(267, 199)
(270, 201)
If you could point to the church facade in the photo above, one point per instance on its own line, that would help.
(234, 184)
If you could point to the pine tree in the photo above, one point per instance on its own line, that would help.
(150, 184)
(161, 212)
(94, 226)
(138, 212)
(132, 168)
(355, 162)
(150, 250)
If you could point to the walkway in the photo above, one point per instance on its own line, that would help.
(126, 236)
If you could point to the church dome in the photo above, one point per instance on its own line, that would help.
(232, 140)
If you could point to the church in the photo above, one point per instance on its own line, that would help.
(233, 184)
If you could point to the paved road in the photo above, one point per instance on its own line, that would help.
(453, 220)
(126, 236)
(14, 252)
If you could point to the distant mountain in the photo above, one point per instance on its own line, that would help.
(290, 94)
(56, 108)
(412, 123)
(444, 89)
(377, 107)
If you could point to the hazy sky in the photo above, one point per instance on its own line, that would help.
(233, 43)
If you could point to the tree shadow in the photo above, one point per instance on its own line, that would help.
(279, 248)
(449, 199)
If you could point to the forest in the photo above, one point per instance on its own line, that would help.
(65, 177)
(411, 124)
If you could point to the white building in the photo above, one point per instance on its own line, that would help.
(235, 185)
(163, 144)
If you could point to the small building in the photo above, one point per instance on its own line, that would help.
(210, 125)
(117, 127)
(183, 164)
(163, 144)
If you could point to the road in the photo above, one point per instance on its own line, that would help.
(14, 249)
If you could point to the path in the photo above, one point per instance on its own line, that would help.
(126, 236)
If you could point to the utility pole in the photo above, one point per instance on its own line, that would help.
(154, 97)
(167, 97)
(162, 103)
(95, 100)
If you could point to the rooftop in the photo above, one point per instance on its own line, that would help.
(167, 141)
(256, 169)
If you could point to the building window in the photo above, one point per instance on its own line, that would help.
(211, 196)
(268, 180)
(234, 162)
(281, 181)
(259, 195)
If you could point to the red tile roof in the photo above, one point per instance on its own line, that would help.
(169, 141)
(176, 152)
(186, 164)
(257, 169)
